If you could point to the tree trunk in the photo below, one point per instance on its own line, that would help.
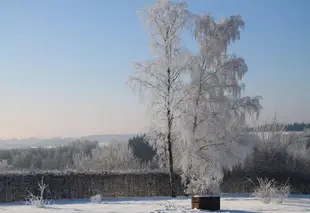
(195, 124)
(171, 173)
(169, 139)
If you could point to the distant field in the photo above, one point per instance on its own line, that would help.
(51, 142)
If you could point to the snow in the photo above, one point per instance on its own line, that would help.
(229, 204)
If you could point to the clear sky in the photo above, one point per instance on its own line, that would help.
(64, 64)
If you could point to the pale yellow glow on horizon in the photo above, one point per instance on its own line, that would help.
(73, 120)
(66, 121)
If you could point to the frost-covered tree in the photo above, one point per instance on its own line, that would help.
(160, 77)
(279, 152)
(216, 111)
(202, 120)
(116, 156)
(4, 165)
(82, 161)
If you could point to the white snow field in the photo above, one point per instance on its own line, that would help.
(229, 204)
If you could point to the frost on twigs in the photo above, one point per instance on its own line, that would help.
(164, 21)
(197, 106)
(269, 191)
(204, 186)
(213, 127)
(160, 79)
(96, 198)
(116, 156)
(38, 201)
(282, 192)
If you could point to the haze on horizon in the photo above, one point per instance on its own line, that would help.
(64, 64)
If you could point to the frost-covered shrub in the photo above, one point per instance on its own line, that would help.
(38, 201)
(268, 191)
(96, 198)
(283, 191)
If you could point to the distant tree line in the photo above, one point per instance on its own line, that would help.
(76, 154)
(81, 155)
(41, 158)
(279, 156)
(295, 127)
(118, 156)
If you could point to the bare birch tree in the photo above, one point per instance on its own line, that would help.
(160, 77)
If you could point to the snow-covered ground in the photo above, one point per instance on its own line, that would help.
(232, 204)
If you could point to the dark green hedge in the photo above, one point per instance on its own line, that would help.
(72, 185)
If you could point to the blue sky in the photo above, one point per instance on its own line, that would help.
(64, 64)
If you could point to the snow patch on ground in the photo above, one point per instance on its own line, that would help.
(229, 204)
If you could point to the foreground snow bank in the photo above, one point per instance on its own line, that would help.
(229, 204)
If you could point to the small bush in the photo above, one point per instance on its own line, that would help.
(267, 191)
(96, 199)
(37, 201)
(283, 191)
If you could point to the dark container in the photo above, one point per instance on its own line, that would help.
(212, 203)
